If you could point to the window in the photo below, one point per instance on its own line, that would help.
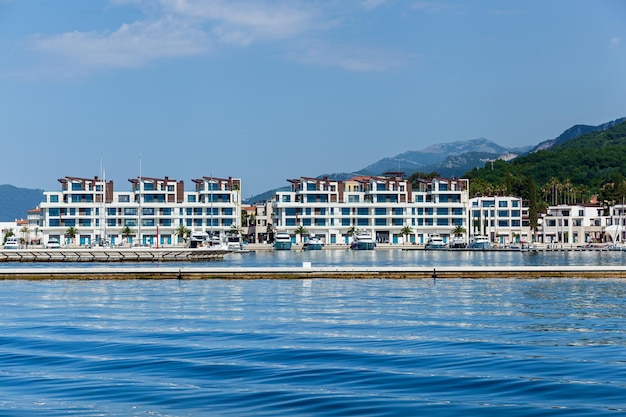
(502, 204)
(362, 211)
(148, 211)
(345, 211)
(503, 213)
(380, 222)
(380, 211)
(442, 211)
(191, 198)
(286, 199)
(124, 198)
(111, 222)
(442, 222)
(111, 211)
(345, 222)
(353, 199)
(362, 222)
(129, 211)
(54, 198)
(76, 186)
(228, 211)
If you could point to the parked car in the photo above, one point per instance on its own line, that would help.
(53, 244)
(12, 243)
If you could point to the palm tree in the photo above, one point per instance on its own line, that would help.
(25, 234)
(182, 232)
(71, 232)
(127, 232)
(406, 231)
(459, 230)
(301, 230)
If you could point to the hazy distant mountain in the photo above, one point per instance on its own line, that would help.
(452, 158)
(575, 131)
(15, 202)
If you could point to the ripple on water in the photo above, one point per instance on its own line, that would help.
(321, 347)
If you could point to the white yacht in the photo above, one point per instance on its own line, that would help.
(363, 240)
(282, 241)
(434, 242)
(479, 242)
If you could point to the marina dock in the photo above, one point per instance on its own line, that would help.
(309, 272)
(112, 255)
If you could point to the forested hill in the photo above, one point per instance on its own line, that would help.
(586, 164)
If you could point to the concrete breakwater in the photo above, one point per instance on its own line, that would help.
(309, 272)
(111, 255)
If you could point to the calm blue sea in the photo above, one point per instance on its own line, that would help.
(480, 347)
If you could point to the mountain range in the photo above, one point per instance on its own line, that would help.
(452, 159)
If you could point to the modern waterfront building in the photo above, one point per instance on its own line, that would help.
(150, 213)
(577, 224)
(500, 218)
(384, 206)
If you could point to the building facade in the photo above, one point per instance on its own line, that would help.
(150, 213)
(385, 206)
(500, 218)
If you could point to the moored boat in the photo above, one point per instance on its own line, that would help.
(282, 241)
(458, 242)
(363, 240)
(435, 242)
(313, 243)
(479, 242)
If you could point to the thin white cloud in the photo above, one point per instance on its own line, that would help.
(432, 6)
(131, 45)
(351, 57)
(372, 4)
(183, 28)
(614, 42)
(257, 19)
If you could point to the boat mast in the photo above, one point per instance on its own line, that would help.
(139, 212)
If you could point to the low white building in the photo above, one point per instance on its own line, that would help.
(573, 224)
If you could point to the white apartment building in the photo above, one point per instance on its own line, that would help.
(499, 218)
(153, 209)
(575, 224)
(381, 205)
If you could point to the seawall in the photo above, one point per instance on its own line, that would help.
(309, 272)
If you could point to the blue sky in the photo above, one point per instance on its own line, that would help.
(269, 90)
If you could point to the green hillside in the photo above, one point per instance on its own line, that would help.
(591, 164)
(15, 202)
